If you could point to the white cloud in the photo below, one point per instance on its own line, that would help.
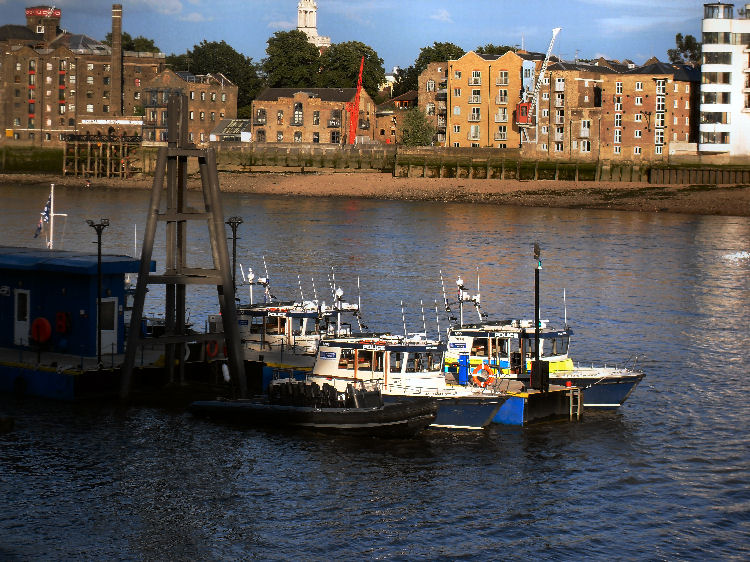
(281, 24)
(166, 7)
(442, 15)
(194, 17)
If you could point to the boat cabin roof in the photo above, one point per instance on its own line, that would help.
(65, 261)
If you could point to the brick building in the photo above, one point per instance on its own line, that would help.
(388, 119)
(53, 82)
(311, 115)
(593, 112)
(433, 97)
(211, 98)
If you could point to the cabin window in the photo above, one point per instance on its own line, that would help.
(396, 362)
(346, 359)
(364, 360)
(479, 347)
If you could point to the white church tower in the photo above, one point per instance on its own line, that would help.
(307, 22)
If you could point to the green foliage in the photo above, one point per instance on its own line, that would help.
(340, 67)
(292, 61)
(436, 53)
(416, 128)
(140, 44)
(408, 78)
(213, 57)
(687, 51)
(490, 49)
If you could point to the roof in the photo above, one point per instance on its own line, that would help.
(684, 73)
(77, 42)
(581, 67)
(64, 261)
(18, 32)
(325, 94)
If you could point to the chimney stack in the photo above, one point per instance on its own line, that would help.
(117, 85)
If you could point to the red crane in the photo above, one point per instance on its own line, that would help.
(353, 107)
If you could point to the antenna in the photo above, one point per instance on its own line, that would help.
(445, 296)
(424, 323)
(299, 282)
(403, 317)
(565, 308)
(315, 292)
(437, 318)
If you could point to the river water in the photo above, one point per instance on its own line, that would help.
(666, 477)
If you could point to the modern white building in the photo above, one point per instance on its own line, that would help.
(307, 22)
(725, 82)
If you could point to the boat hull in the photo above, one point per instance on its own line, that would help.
(403, 419)
(465, 412)
(606, 393)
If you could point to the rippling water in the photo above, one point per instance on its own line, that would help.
(665, 477)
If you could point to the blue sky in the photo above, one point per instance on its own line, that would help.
(396, 29)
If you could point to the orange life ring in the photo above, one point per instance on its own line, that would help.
(41, 330)
(212, 348)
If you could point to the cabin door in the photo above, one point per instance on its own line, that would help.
(108, 324)
(22, 312)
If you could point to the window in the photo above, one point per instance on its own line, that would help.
(639, 86)
(636, 150)
(658, 149)
(638, 100)
(203, 96)
(585, 146)
(476, 96)
(90, 66)
(223, 97)
(279, 136)
(136, 95)
(213, 116)
(637, 133)
(474, 132)
(545, 95)
(659, 136)
(661, 87)
(618, 119)
(105, 94)
(297, 117)
(716, 97)
(430, 108)
(213, 96)
(618, 149)
(502, 96)
(659, 120)
(89, 79)
(618, 136)
(335, 137)
(545, 147)
(545, 129)
(192, 95)
(456, 128)
(476, 78)
(660, 103)
(202, 116)
(316, 117)
(105, 108)
(638, 118)
(502, 78)
(457, 75)
(475, 114)
(676, 104)
(618, 87)
(585, 128)
(502, 133)
(457, 110)
(502, 115)
(545, 112)
(90, 109)
(72, 79)
(687, 104)
(558, 147)
(297, 136)
(280, 117)
(457, 92)
(618, 103)
(316, 137)
(430, 85)
(714, 138)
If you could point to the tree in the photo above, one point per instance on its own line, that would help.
(210, 57)
(292, 61)
(140, 44)
(408, 78)
(490, 49)
(340, 67)
(416, 129)
(687, 51)
(437, 53)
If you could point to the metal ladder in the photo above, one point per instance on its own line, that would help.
(575, 402)
(172, 162)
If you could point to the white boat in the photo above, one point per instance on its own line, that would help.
(402, 368)
(504, 350)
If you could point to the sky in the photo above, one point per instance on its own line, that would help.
(397, 30)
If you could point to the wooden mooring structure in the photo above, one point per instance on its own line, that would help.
(101, 156)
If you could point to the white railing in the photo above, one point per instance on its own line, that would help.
(501, 100)
(501, 118)
(475, 81)
(473, 136)
(475, 99)
(475, 117)
(501, 82)
(501, 136)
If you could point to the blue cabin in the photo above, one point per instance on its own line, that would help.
(48, 300)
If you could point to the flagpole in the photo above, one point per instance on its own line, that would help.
(51, 243)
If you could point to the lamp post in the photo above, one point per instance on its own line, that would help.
(233, 223)
(99, 227)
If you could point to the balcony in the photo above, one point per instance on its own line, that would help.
(441, 95)
(474, 81)
(501, 100)
(585, 133)
(473, 136)
(475, 118)
(475, 99)
(296, 123)
(501, 136)
(441, 122)
(559, 137)
(559, 120)
(559, 102)
(501, 118)
(364, 124)
(501, 82)
(559, 86)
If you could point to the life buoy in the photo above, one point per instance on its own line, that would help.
(41, 330)
(487, 371)
(212, 349)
